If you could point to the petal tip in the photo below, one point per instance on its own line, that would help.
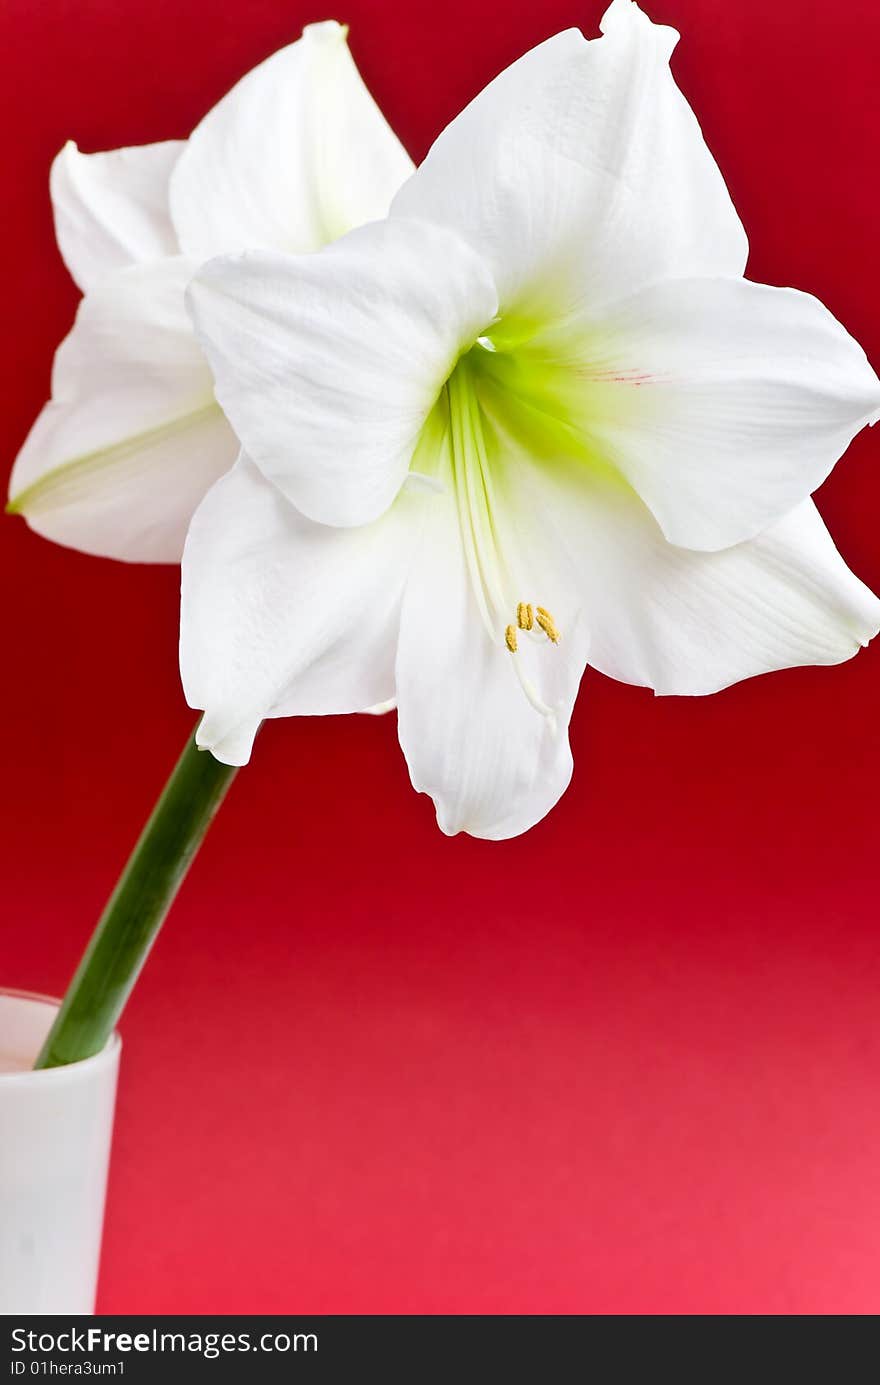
(231, 744)
(326, 31)
(627, 12)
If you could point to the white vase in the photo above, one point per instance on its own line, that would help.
(55, 1132)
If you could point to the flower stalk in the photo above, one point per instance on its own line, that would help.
(137, 908)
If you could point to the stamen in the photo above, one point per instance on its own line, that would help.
(471, 476)
(527, 616)
(547, 624)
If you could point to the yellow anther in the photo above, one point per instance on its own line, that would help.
(527, 617)
(547, 624)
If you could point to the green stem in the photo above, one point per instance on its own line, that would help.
(135, 911)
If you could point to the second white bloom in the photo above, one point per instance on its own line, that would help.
(295, 155)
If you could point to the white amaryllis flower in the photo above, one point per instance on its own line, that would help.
(295, 155)
(536, 416)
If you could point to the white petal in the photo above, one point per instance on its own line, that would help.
(581, 173)
(295, 155)
(492, 763)
(284, 617)
(688, 622)
(111, 209)
(132, 438)
(723, 402)
(328, 365)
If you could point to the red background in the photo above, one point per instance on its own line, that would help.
(626, 1064)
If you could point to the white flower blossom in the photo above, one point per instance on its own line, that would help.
(535, 417)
